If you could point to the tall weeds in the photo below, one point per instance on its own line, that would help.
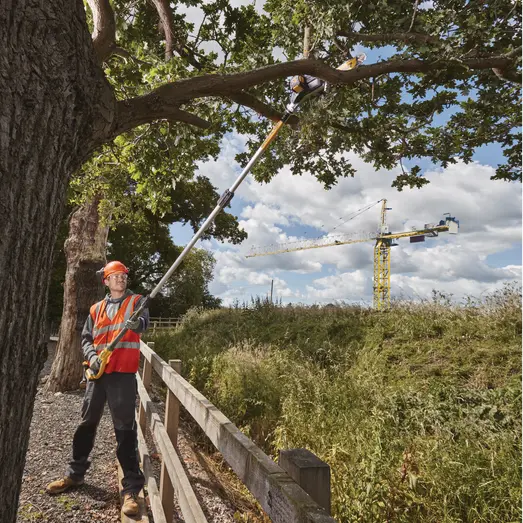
(417, 410)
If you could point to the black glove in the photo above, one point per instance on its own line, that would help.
(94, 364)
(133, 325)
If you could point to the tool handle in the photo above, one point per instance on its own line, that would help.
(224, 200)
(104, 356)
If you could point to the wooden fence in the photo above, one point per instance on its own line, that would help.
(279, 494)
(155, 323)
(163, 323)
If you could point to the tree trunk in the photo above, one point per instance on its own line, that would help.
(85, 254)
(55, 106)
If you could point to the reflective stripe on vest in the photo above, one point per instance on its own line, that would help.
(105, 330)
(126, 356)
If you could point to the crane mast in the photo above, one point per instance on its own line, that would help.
(381, 287)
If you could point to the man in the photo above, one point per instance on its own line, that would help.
(117, 385)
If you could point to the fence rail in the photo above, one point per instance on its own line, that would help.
(279, 495)
(163, 323)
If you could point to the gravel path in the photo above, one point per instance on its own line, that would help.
(55, 418)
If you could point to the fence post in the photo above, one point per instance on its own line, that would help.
(311, 473)
(172, 416)
(146, 380)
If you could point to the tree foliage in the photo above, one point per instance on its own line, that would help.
(149, 251)
(447, 84)
(147, 248)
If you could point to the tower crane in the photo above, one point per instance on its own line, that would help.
(384, 241)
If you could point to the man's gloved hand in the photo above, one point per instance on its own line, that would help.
(94, 364)
(133, 325)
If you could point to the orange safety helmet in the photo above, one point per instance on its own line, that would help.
(112, 268)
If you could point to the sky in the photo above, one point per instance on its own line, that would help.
(485, 254)
(482, 257)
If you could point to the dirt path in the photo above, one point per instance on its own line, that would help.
(55, 418)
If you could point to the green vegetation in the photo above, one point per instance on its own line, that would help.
(416, 410)
(29, 512)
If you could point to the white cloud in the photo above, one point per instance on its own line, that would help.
(264, 214)
(490, 222)
(448, 262)
(347, 286)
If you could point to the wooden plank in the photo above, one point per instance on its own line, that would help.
(146, 380)
(191, 510)
(280, 497)
(166, 492)
(172, 407)
(152, 489)
(142, 517)
(172, 415)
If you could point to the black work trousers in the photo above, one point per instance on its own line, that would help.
(119, 390)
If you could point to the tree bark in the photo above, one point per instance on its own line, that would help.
(85, 254)
(55, 107)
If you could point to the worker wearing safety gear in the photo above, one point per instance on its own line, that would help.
(117, 385)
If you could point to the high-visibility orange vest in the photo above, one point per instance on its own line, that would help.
(126, 355)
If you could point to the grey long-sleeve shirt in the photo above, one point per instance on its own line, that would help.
(112, 307)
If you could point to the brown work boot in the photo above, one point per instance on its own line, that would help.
(130, 505)
(60, 485)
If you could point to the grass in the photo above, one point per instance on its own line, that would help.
(29, 512)
(416, 410)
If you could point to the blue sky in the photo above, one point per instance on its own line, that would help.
(481, 258)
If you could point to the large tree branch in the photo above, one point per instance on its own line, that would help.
(503, 74)
(248, 100)
(129, 117)
(167, 21)
(104, 33)
(391, 37)
(171, 44)
(226, 84)
(141, 115)
(160, 102)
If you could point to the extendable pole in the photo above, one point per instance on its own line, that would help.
(224, 200)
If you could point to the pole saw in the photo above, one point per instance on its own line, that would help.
(302, 86)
